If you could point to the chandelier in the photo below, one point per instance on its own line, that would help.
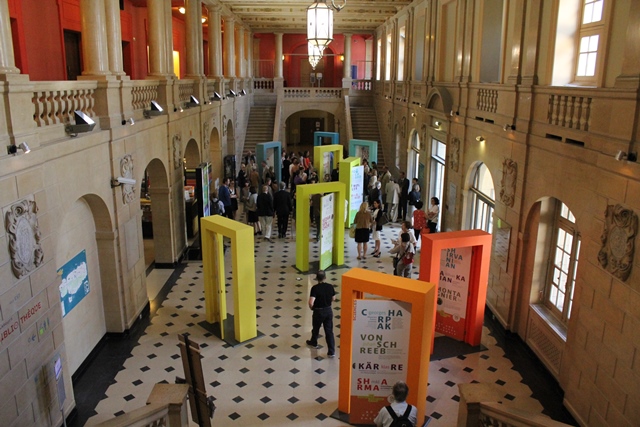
(320, 26)
(314, 55)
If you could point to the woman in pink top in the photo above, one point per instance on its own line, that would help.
(419, 220)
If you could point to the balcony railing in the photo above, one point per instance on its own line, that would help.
(55, 102)
(313, 93)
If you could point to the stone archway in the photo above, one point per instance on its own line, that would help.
(215, 153)
(160, 213)
(231, 139)
(192, 154)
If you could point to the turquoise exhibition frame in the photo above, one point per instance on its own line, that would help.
(371, 145)
(317, 138)
(261, 154)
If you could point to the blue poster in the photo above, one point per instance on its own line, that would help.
(75, 282)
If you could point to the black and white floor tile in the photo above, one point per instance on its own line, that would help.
(276, 379)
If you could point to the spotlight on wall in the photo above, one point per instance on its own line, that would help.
(83, 124)
(130, 121)
(630, 157)
(413, 114)
(156, 110)
(215, 97)
(116, 182)
(508, 127)
(437, 125)
(13, 149)
(243, 92)
(480, 138)
(193, 101)
(232, 93)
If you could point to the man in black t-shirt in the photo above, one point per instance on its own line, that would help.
(322, 295)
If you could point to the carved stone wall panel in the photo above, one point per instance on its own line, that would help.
(177, 151)
(454, 154)
(205, 132)
(126, 171)
(618, 241)
(21, 226)
(508, 183)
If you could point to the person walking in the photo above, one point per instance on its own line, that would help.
(251, 206)
(224, 195)
(404, 256)
(392, 200)
(363, 225)
(419, 220)
(320, 299)
(283, 206)
(399, 407)
(265, 212)
(414, 197)
(404, 196)
(432, 215)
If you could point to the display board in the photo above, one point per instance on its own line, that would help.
(325, 158)
(203, 189)
(74, 285)
(354, 186)
(326, 230)
(364, 150)
(453, 289)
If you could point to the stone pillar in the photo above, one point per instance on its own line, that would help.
(158, 49)
(114, 37)
(215, 42)
(168, 36)
(229, 47)
(193, 24)
(346, 65)
(278, 59)
(7, 58)
(240, 56)
(250, 55)
(630, 73)
(94, 38)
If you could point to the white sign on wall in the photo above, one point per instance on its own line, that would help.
(326, 231)
(357, 190)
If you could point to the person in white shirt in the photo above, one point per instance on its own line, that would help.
(399, 406)
(392, 194)
(432, 215)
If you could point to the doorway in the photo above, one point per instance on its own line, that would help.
(72, 54)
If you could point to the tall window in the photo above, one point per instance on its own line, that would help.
(590, 34)
(558, 296)
(401, 40)
(482, 199)
(414, 156)
(379, 59)
(436, 183)
(387, 60)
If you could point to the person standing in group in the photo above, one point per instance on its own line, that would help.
(234, 199)
(224, 195)
(242, 177)
(384, 180)
(251, 207)
(320, 299)
(254, 177)
(283, 206)
(399, 408)
(404, 196)
(404, 251)
(376, 214)
(414, 197)
(363, 224)
(433, 214)
(393, 198)
(286, 163)
(419, 220)
(405, 227)
(265, 212)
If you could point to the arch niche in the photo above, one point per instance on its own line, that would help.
(158, 213)
(231, 139)
(301, 125)
(215, 152)
(192, 154)
(300, 73)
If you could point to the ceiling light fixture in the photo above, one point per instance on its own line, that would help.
(314, 55)
(182, 10)
(320, 25)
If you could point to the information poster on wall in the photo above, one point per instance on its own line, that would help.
(381, 331)
(75, 282)
(453, 290)
(326, 231)
(357, 189)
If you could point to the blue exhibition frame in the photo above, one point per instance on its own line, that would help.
(317, 138)
(261, 154)
(371, 145)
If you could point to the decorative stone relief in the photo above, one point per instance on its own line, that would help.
(618, 241)
(205, 132)
(508, 183)
(21, 225)
(224, 125)
(454, 154)
(403, 128)
(177, 151)
(126, 171)
(423, 134)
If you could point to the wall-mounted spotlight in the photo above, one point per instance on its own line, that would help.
(243, 92)
(215, 97)
(13, 149)
(480, 138)
(116, 182)
(232, 93)
(83, 124)
(630, 157)
(413, 114)
(437, 125)
(454, 113)
(130, 121)
(193, 101)
(156, 110)
(508, 127)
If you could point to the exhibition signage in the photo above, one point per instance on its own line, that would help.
(75, 282)
(381, 334)
(326, 231)
(357, 189)
(453, 289)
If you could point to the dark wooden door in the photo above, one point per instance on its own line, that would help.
(72, 54)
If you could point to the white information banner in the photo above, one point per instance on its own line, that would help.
(326, 231)
(381, 332)
(357, 190)
(453, 284)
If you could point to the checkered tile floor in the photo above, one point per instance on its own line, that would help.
(276, 379)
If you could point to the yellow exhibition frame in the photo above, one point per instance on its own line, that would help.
(318, 156)
(303, 192)
(212, 230)
(345, 167)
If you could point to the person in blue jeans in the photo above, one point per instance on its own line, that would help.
(322, 295)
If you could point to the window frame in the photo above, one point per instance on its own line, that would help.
(480, 199)
(599, 28)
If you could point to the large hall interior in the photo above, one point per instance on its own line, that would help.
(521, 117)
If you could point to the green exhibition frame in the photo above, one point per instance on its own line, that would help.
(213, 229)
(261, 154)
(317, 138)
(345, 167)
(318, 157)
(303, 193)
(371, 146)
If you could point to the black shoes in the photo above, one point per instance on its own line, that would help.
(310, 344)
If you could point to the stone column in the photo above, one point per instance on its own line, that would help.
(250, 56)
(630, 73)
(193, 24)
(278, 59)
(158, 49)
(94, 38)
(240, 56)
(215, 42)
(229, 47)
(7, 58)
(114, 37)
(168, 34)
(346, 65)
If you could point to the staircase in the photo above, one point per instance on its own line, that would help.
(364, 124)
(260, 126)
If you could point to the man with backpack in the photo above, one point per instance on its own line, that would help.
(399, 413)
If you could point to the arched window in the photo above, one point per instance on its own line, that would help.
(436, 183)
(482, 199)
(414, 156)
